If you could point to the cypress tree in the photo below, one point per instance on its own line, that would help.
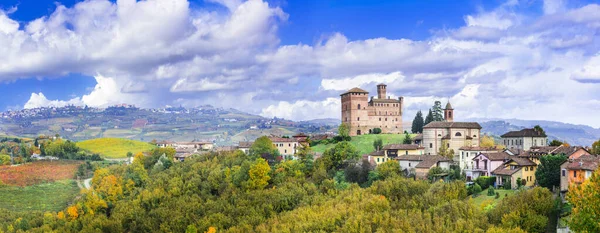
(418, 123)
(429, 118)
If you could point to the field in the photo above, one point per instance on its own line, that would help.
(364, 143)
(53, 196)
(38, 172)
(114, 148)
(484, 200)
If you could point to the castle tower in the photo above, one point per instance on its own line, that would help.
(449, 113)
(381, 91)
(354, 110)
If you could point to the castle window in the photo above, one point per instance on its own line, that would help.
(396, 119)
(359, 106)
(385, 119)
(358, 119)
(380, 119)
(458, 134)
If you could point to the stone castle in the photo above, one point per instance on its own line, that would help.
(363, 115)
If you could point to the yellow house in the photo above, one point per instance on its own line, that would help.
(513, 169)
(378, 157)
(393, 151)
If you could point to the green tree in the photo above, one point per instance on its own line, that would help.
(344, 131)
(585, 199)
(306, 157)
(445, 152)
(596, 148)
(390, 168)
(407, 139)
(259, 174)
(418, 123)
(548, 172)
(438, 112)
(555, 143)
(538, 128)
(334, 158)
(261, 146)
(429, 118)
(4, 159)
(378, 144)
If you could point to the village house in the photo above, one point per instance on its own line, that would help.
(393, 151)
(363, 115)
(536, 152)
(513, 169)
(465, 157)
(486, 162)
(577, 169)
(286, 146)
(245, 146)
(524, 139)
(419, 165)
(452, 135)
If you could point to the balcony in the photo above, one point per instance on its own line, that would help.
(479, 169)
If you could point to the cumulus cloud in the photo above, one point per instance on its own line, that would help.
(503, 62)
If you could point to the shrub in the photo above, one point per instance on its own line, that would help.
(376, 131)
(497, 195)
(506, 185)
(491, 191)
(485, 181)
(476, 189)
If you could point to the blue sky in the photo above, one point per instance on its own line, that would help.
(507, 59)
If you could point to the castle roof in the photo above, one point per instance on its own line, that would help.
(385, 101)
(461, 125)
(381, 84)
(448, 106)
(524, 133)
(355, 90)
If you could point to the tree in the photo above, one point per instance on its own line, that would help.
(548, 172)
(344, 131)
(555, 143)
(378, 144)
(336, 157)
(306, 158)
(596, 148)
(259, 174)
(429, 118)
(538, 128)
(438, 112)
(407, 139)
(376, 131)
(445, 152)
(418, 123)
(585, 199)
(390, 168)
(262, 145)
(487, 141)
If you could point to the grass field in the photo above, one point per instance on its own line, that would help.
(53, 196)
(484, 200)
(114, 148)
(38, 172)
(364, 143)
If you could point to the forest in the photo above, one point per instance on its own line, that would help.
(236, 192)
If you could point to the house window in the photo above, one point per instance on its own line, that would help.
(378, 160)
(430, 145)
(285, 151)
(564, 172)
(406, 152)
(409, 165)
(458, 134)
(526, 168)
(575, 174)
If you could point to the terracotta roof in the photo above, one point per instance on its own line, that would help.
(495, 156)
(395, 101)
(524, 133)
(501, 170)
(377, 153)
(543, 149)
(418, 137)
(585, 162)
(300, 135)
(401, 147)
(429, 161)
(568, 150)
(478, 148)
(245, 144)
(279, 139)
(522, 161)
(355, 90)
(412, 157)
(462, 125)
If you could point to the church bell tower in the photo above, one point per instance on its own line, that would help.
(449, 113)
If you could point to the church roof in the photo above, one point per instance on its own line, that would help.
(355, 90)
(448, 106)
(460, 125)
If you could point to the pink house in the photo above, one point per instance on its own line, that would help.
(485, 163)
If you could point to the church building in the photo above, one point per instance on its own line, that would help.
(453, 135)
(363, 115)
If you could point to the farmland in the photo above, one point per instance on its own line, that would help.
(114, 148)
(38, 172)
(53, 196)
(364, 143)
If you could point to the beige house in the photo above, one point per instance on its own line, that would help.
(524, 139)
(393, 151)
(419, 165)
(453, 135)
(245, 146)
(285, 146)
(364, 115)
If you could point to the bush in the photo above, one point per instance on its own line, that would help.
(476, 189)
(491, 191)
(506, 185)
(376, 131)
(497, 195)
(485, 181)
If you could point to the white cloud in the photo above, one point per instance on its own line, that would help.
(304, 110)
(347, 83)
(39, 100)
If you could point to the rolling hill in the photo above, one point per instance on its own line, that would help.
(114, 148)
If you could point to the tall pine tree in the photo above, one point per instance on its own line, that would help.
(438, 112)
(418, 123)
(429, 118)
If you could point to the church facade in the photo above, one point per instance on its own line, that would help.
(452, 135)
(363, 114)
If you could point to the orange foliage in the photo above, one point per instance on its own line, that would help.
(212, 230)
(73, 212)
(38, 172)
(61, 215)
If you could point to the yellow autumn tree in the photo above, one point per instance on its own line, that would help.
(259, 174)
(585, 199)
(93, 203)
(73, 212)
(110, 188)
(99, 174)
